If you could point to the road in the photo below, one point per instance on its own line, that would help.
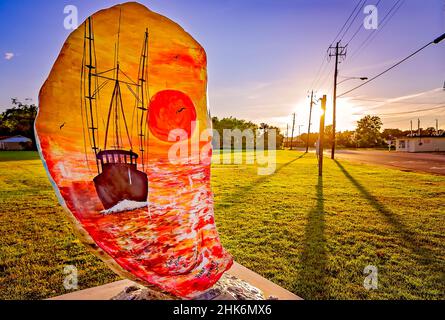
(423, 162)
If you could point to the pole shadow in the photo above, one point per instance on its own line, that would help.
(422, 254)
(312, 277)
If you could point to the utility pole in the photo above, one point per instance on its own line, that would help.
(437, 127)
(418, 126)
(309, 125)
(339, 52)
(321, 136)
(411, 122)
(293, 126)
(287, 134)
(299, 129)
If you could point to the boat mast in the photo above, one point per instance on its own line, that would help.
(89, 64)
(143, 87)
(116, 108)
(117, 96)
(116, 104)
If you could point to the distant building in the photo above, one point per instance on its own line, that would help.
(421, 143)
(14, 143)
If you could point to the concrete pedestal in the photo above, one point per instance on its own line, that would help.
(239, 283)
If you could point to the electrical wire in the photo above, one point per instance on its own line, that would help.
(412, 111)
(321, 70)
(319, 73)
(344, 25)
(392, 67)
(360, 26)
(392, 102)
(353, 20)
(389, 15)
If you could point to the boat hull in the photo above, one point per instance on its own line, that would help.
(120, 181)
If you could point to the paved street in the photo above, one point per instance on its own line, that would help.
(424, 162)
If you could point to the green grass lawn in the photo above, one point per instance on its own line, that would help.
(18, 155)
(312, 236)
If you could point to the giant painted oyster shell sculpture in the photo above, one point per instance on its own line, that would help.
(125, 81)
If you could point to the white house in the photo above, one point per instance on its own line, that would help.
(421, 143)
(14, 143)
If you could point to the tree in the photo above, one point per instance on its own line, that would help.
(389, 134)
(279, 137)
(230, 123)
(264, 127)
(313, 137)
(368, 131)
(233, 123)
(430, 131)
(19, 120)
(346, 139)
(328, 136)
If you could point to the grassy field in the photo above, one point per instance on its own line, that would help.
(312, 236)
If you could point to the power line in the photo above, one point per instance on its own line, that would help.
(398, 102)
(398, 120)
(325, 79)
(436, 41)
(389, 15)
(360, 26)
(412, 111)
(344, 25)
(321, 70)
(384, 105)
(373, 35)
(319, 73)
(353, 20)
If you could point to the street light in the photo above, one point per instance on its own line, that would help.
(353, 78)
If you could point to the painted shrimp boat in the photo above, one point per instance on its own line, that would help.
(118, 176)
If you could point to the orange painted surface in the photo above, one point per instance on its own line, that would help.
(171, 110)
(171, 243)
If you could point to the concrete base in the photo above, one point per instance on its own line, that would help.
(111, 290)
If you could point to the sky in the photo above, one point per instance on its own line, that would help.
(264, 56)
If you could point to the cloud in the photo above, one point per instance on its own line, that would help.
(434, 97)
(397, 111)
(9, 55)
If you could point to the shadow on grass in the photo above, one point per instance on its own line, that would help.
(423, 255)
(311, 280)
(234, 197)
(18, 156)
